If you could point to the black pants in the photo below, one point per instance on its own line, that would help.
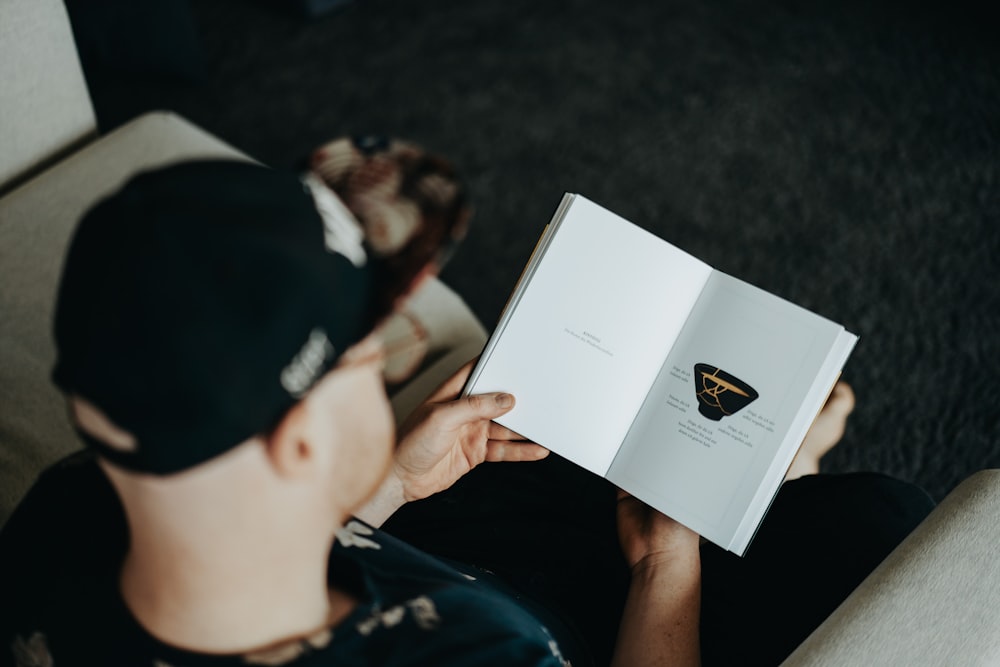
(548, 529)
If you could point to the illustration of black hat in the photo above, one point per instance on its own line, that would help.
(719, 393)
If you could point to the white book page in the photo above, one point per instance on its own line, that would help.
(583, 340)
(756, 360)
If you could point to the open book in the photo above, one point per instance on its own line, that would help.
(688, 388)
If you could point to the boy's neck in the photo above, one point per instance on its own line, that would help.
(239, 599)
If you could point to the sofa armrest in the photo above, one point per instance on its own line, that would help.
(935, 600)
(45, 107)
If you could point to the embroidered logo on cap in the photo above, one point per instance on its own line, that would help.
(300, 374)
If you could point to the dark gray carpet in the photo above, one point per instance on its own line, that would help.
(840, 154)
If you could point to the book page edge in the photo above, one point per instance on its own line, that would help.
(544, 240)
(764, 498)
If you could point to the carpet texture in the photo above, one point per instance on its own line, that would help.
(842, 155)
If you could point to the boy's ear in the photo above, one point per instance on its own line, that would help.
(289, 447)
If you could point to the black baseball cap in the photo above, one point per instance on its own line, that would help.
(203, 300)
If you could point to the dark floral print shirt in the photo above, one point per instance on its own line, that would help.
(61, 551)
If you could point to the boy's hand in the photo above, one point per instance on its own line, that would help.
(448, 436)
(648, 538)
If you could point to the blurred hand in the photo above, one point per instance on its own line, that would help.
(448, 436)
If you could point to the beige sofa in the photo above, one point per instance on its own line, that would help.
(934, 601)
